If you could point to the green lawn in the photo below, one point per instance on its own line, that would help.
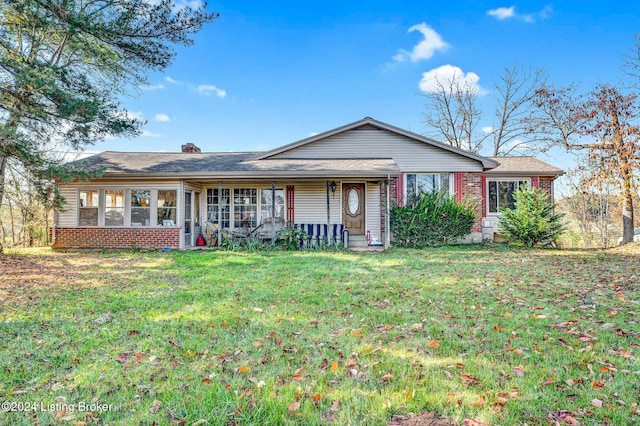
(493, 334)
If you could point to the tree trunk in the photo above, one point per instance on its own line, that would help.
(3, 163)
(627, 210)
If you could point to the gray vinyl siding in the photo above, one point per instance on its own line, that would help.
(69, 217)
(310, 203)
(410, 155)
(373, 211)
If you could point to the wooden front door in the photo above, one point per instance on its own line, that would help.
(353, 207)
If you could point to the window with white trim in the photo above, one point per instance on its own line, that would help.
(216, 202)
(266, 201)
(500, 193)
(245, 207)
(167, 207)
(88, 207)
(113, 207)
(140, 207)
(417, 183)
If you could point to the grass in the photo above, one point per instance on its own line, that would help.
(493, 334)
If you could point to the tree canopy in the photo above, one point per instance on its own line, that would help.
(63, 66)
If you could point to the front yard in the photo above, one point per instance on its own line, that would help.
(497, 335)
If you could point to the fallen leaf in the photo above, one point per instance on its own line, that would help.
(417, 326)
(298, 377)
(294, 406)
(334, 366)
(519, 371)
(597, 384)
(548, 382)
(244, 369)
(207, 381)
(433, 344)
(257, 343)
(155, 406)
(481, 402)
(334, 406)
(357, 334)
(596, 403)
(259, 310)
(121, 359)
(471, 422)
(469, 380)
(317, 397)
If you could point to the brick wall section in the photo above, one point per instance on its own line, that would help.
(472, 189)
(116, 238)
(546, 184)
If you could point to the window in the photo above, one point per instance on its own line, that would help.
(417, 183)
(245, 207)
(113, 208)
(213, 202)
(88, 209)
(167, 207)
(266, 199)
(140, 207)
(501, 194)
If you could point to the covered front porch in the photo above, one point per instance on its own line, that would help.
(259, 208)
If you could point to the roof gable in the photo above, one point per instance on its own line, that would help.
(371, 124)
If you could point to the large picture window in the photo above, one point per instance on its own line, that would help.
(245, 207)
(113, 208)
(214, 201)
(501, 194)
(88, 207)
(140, 207)
(427, 182)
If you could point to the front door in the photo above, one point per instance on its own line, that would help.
(353, 207)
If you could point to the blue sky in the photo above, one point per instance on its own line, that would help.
(269, 73)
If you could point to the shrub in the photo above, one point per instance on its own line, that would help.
(532, 222)
(290, 238)
(431, 219)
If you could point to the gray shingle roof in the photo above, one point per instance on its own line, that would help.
(240, 164)
(524, 166)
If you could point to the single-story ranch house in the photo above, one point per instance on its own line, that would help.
(347, 177)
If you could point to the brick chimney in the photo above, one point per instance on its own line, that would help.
(189, 147)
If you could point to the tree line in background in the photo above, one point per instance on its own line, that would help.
(530, 115)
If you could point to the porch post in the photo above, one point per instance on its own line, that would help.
(220, 212)
(273, 212)
(328, 210)
(387, 222)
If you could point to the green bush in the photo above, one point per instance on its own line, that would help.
(290, 238)
(431, 219)
(532, 222)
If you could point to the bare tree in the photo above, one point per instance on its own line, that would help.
(451, 111)
(514, 91)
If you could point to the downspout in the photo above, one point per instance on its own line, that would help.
(53, 228)
(220, 212)
(387, 222)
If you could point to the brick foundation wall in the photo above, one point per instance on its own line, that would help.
(471, 186)
(116, 238)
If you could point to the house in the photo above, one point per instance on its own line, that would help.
(349, 175)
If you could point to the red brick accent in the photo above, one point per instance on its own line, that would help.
(535, 182)
(116, 238)
(472, 187)
(546, 184)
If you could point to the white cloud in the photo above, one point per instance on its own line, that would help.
(149, 134)
(487, 129)
(172, 81)
(209, 89)
(162, 117)
(445, 76)
(181, 4)
(502, 13)
(426, 48)
(153, 87)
